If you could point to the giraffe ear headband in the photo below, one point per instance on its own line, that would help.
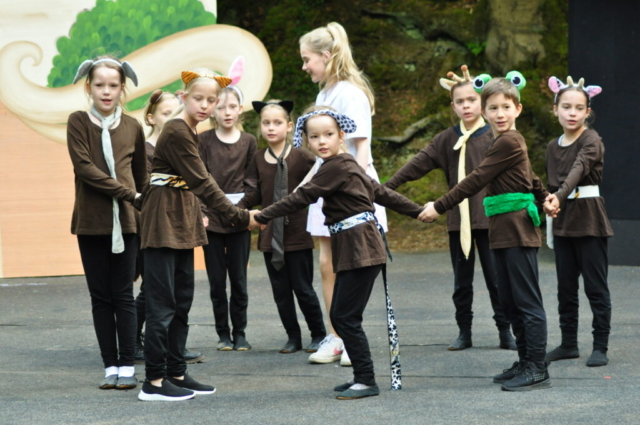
(557, 86)
(452, 79)
(345, 123)
(516, 78)
(189, 76)
(85, 68)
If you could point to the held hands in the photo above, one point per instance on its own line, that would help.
(551, 206)
(252, 221)
(429, 214)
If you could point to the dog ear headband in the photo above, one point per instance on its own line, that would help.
(516, 78)
(85, 68)
(345, 123)
(188, 76)
(287, 105)
(556, 86)
(452, 79)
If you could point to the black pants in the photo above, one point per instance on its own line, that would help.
(228, 252)
(463, 271)
(521, 300)
(110, 282)
(586, 256)
(350, 297)
(169, 286)
(296, 277)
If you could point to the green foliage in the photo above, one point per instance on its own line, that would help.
(120, 28)
(476, 48)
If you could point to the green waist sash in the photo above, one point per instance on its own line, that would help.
(510, 202)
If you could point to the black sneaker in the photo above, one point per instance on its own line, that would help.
(315, 344)
(462, 343)
(240, 343)
(507, 342)
(291, 346)
(508, 374)
(598, 358)
(192, 357)
(530, 378)
(188, 383)
(138, 355)
(167, 392)
(561, 353)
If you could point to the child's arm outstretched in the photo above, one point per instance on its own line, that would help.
(395, 201)
(419, 166)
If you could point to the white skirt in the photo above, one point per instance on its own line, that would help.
(315, 220)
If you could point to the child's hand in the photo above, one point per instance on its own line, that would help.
(252, 221)
(551, 206)
(205, 221)
(429, 214)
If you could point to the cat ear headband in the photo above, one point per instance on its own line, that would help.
(556, 86)
(516, 78)
(345, 123)
(188, 76)
(85, 68)
(452, 79)
(287, 105)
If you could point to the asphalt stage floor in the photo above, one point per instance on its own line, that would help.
(50, 364)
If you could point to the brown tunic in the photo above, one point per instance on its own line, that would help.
(505, 169)
(171, 217)
(347, 191)
(578, 164)
(439, 154)
(261, 176)
(94, 186)
(227, 163)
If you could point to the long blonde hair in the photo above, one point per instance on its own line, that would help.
(340, 66)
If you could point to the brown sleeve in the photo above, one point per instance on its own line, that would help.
(84, 167)
(327, 180)
(252, 195)
(588, 155)
(504, 154)
(183, 156)
(419, 166)
(397, 202)
(139, 162)
(538, 189)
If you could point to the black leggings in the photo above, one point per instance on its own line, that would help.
(350, 297)
(586, 256)
(110, 281)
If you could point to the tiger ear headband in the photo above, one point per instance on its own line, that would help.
(516, 78)
(452, 79)
(556, 86)
(189, 76)
(85, 68)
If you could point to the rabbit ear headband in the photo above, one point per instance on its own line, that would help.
(345, 123)
(556, 86)
(235, 73)
(516, 78)
(188, 76)
(85, 68)
(452, 79)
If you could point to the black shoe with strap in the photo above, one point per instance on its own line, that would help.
(531, 377)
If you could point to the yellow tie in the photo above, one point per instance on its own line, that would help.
(465, 217)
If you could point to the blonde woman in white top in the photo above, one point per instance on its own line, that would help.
(327, 58)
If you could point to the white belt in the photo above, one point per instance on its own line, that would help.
(234, 197)
(592, 191)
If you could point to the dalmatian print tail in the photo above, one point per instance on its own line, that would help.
(394, 344)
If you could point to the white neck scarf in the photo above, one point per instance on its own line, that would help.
(117, 243)
(465, 216)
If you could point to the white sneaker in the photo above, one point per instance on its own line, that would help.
(344, 359)
(330, 350)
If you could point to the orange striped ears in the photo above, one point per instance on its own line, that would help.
(188, 76)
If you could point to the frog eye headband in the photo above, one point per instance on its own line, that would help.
(345, 123)
(86, 66)
(516, 78)
(452, 79)
(557, 86)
